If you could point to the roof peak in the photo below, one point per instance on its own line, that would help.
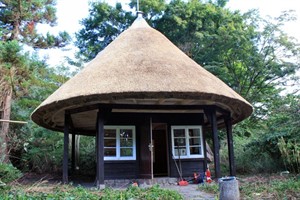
(139, 22)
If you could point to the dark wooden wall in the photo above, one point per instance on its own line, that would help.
(131, 169)
(120, 169)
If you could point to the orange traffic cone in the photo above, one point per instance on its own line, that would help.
(208, 175)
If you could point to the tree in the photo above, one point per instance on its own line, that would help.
(252, 55)
(103, 25)
(253, 62)
(30, 146)
(18, 20)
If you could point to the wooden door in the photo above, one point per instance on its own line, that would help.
(160, 161)
(146, 157)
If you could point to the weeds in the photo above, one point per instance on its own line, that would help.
(271, 188)
(70, 192)
(8, 173)
(209, 188)
(262, 187)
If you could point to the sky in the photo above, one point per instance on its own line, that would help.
(70, 12)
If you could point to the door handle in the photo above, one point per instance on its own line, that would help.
(150, 146)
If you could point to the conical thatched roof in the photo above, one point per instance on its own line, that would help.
(141, 66)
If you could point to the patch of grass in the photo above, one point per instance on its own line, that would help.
(287, 188)
(212, 188)
(68, 192)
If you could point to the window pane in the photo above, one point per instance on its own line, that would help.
(180, 150)
(194, 141)
(194, 132)
(125, 133)
(125, 152)
(110, 133)
(111, 152)
(126, 143)
(109, 142)
(195, 150)
(179, 141)
(179, 133)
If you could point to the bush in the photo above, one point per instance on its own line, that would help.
(43, 152)
(87, 155)
(8, 173)
(251, 159)
(290, 153)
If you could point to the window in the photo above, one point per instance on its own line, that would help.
(187, 141)
(119, 143)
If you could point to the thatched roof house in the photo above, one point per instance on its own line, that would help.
(143, 80)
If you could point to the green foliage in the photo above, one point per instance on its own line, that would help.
(103, 25)
(43, 151)
(209, 188)
(87, 157)
(18, 20)
(249, 158)
(8, 173)
(32, 147)
(66, 192)
(290, 153)
(273, 189)
(20, 72)
(151, 8)
(154, 192)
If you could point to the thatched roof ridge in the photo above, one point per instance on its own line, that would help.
(142, 64)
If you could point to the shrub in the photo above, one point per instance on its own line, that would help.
(251, 159)
(290, 154)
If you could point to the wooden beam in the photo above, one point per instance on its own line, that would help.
(211, 115)
(228, 123)
(66, 148)
(100, 149)
(13, 121)
(140, 106)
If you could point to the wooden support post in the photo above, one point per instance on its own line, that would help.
(228, 123)
(205, 151)
(100, 150)
(66, 148)
(73, 152)
(212, 118)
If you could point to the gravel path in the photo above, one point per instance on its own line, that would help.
(190, 192)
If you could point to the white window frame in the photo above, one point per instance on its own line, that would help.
(118, 149)
(187, 142)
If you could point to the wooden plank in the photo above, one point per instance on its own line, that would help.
(13, 121)
(120, 169)
(66, 148)
(189, 167)
(228, 123)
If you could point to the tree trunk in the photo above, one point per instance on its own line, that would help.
(7, 100)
